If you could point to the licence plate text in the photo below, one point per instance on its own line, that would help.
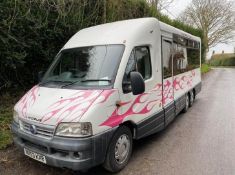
(35, 156)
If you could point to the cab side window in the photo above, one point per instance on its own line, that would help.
(142, 56)
(139, 61)
(131, 65)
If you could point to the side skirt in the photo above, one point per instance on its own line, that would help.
(151, 125)
(180, 104)
(169, 111)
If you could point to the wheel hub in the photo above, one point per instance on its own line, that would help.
(122, 148)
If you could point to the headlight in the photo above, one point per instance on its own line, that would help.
(15, 116)
(80, 129)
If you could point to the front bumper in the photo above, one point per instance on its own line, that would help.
(72, 153)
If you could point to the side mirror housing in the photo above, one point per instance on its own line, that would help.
(137, 83)
(40, 75)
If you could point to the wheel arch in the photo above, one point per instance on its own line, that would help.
(132, 126)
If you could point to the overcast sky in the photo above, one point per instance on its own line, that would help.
(178, 6)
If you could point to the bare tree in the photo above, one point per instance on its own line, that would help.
(215, 17)
(160, 4)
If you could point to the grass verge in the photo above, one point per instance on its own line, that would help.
(7, 102)
(205, 68)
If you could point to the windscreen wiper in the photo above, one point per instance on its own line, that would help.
(53, 81)
(85, 80)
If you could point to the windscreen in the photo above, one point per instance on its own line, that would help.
(85, 66)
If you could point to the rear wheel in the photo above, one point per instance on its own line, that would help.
(186, 103)
(191, 98)
(119, 151)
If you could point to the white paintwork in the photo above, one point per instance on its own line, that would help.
(50, 106)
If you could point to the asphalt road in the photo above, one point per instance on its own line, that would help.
(200, 142)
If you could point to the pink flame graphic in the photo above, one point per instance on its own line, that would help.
(28, 100)
(78, 103)
(180, 83)
(115, 118)
(72, 107)
(167, 92)
(162, 97)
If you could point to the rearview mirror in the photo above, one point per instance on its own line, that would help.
(137, 83)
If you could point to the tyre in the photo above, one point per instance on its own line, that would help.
(119, 151)
(191, 98)
(186, 103)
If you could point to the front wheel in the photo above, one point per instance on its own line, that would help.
(119, 151)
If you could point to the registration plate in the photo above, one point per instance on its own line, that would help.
(35, 156)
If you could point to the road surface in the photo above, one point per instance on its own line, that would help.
(200, 142)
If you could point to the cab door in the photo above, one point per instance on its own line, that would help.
(143, 109)
(167, 79)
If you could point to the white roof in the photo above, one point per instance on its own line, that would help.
(120, 32)
(112, 33)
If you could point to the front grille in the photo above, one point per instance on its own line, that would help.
(42, 131)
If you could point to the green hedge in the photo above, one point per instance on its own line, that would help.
(223, 61)
(32, 32)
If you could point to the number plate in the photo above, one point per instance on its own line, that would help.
(35, 156)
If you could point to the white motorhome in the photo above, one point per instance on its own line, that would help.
(109, 85)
